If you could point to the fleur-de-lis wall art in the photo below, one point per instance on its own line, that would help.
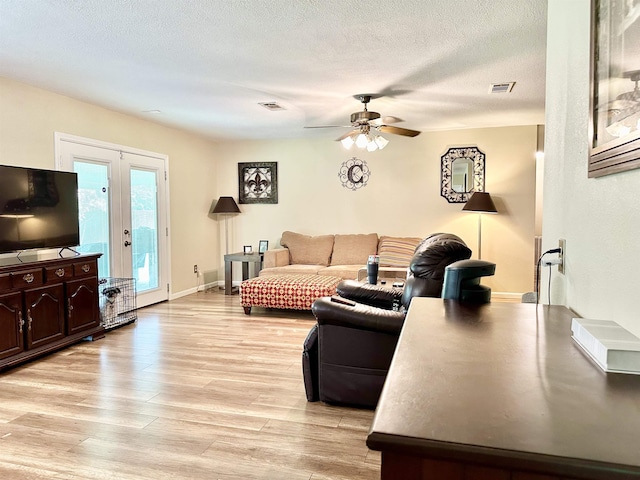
(258, 182)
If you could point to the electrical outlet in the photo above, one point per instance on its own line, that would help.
(195, 269)
(561, 256)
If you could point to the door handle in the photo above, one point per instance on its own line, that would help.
(127, 243)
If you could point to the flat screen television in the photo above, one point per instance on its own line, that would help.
(38, 209)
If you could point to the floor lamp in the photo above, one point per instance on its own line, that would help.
(226, 206)
(480, 202)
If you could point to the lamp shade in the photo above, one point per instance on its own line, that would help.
(226, 205)
(480, 202)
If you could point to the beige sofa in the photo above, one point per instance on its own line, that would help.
(341, 255)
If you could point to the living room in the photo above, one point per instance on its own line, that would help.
(401, 198)
(597, 217)
(307, 175)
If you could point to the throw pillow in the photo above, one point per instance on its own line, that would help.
(354, 249)
(308, 250)
(397, 251)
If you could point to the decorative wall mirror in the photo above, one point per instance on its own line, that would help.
(461, 173)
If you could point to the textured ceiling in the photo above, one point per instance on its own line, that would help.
(205, 64)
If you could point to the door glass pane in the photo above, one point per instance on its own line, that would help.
(93, 203)
(144, 229)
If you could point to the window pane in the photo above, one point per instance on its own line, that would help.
(93, 203)
(144, 224)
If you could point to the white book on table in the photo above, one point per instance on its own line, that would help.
(614, 348)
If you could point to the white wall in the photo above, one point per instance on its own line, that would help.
(401, 198)
(599, 218)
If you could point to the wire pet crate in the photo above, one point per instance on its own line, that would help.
(117, 301)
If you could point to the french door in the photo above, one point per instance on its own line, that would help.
(123, 211)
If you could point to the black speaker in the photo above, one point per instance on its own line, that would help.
(462, 281)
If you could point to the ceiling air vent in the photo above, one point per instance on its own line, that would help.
(273, 106)
(501, 87)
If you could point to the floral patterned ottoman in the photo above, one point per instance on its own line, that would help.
(294, 291)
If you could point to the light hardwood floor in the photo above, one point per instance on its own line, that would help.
(194, 389)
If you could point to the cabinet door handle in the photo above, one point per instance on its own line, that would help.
(20, 320)
(69, 306)
(28, 277)
(60, 272)
(29, 318)
(86, 268)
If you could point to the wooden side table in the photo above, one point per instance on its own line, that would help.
(246, 259)
(388, 273)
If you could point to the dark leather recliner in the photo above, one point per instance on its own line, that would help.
(347, 354)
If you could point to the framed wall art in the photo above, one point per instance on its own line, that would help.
(614, 127)
(258, 182)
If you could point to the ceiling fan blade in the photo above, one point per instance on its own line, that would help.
(347, 134)
(385, 120)
(330, 126)
(398, 131)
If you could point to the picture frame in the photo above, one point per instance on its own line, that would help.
(263, 246)
(247, 249)
(258, 182)
(614, 126)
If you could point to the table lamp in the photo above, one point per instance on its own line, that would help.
(226, 206)
(480, 202)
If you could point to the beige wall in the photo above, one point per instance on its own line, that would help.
(598, 217)
(30, 116)
(401, 198)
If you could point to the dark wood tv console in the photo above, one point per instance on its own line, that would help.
(501, 392)
(46, 305)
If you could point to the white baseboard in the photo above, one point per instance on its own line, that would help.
(183, 293)
(202, 288)
(506, 296)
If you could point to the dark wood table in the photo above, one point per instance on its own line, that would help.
(500, 391)
(246, 259)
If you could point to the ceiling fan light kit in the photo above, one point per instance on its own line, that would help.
(347, 142)
(372, 146)
(362, 140)
(365, 140)
(381, 142)
(364, 122)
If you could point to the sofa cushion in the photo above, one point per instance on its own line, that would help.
(354, 249)
(292, 269)
(308, 250)
(343, 271)
(397, 251)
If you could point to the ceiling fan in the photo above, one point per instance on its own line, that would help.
(366, 123)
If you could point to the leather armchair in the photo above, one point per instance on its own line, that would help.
(347, 354)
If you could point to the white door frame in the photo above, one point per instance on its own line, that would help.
(60, 137)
